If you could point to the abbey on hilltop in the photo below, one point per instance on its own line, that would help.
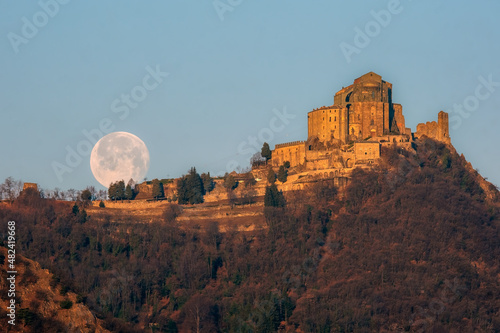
(362, 119)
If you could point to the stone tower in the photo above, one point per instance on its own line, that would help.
(443, 127)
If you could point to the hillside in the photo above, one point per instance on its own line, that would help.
(411, 245)
(42, 304)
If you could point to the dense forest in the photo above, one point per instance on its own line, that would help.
(411, 245)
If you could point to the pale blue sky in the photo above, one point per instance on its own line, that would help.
(227, 76)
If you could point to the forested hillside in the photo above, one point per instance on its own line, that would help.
(412, 245)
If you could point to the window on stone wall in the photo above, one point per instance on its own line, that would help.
(372, 122)
(330, 119)
(335, 119)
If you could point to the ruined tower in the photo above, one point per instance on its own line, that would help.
(438, 131)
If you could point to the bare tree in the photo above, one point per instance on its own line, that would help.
(72, 194)
(11, 188)
(257, 160)
(56, 193)
(200, 314)
(93, 192)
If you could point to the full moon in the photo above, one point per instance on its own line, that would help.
(119, 156)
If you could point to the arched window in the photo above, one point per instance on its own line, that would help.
(348, 97)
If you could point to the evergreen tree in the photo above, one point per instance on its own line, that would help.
(157, 189)
(116, 190)
(129, 193)
(266, 151)
(274, 197)
(282, 174)
(75, 209)
(208, 182)
(271, 176)
(190, 188)
(120, 190)
(182, 192)
(112, 191)
(229, 182)
(195, 187)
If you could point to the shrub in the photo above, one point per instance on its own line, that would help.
(66, 304)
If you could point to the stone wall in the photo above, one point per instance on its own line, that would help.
(292, 152)
(325, 123)
(365, 151)
(132, 204)
(145, 191)
(30, 185)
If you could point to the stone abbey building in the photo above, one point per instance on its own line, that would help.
(351, 131)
